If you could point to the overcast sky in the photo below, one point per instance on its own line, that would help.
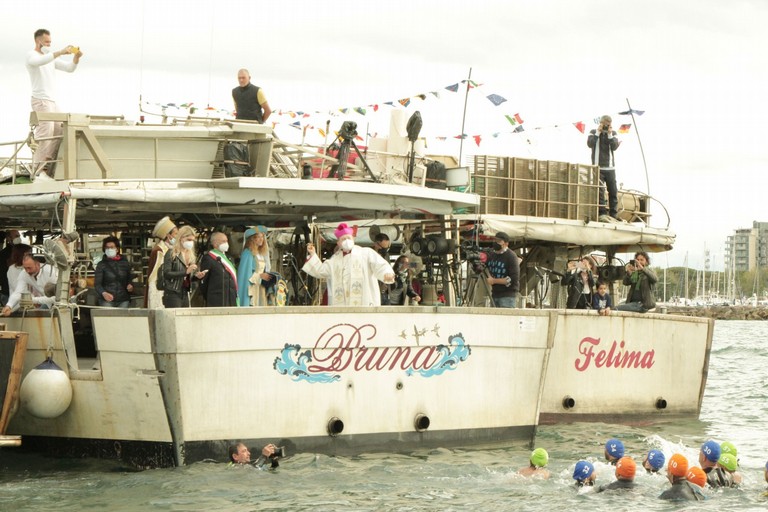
(698, 70)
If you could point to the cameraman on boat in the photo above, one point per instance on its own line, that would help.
(504, 272)
(603, 143)
(642, 285)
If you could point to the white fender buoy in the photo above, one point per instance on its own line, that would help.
(46, 391)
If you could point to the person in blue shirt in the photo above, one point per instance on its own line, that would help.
(601, 300)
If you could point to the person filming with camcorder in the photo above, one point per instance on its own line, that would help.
(642, 283)
(269, 459)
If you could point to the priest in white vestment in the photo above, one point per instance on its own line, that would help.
(352, 274)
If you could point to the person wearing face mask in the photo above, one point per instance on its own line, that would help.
(219, 286)
(179, 269)
(42, 63)
(504, 272)
(12, 238)
(167, 232)
(113, 276)
(352, 274)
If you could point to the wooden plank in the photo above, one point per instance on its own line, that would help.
(13, 382)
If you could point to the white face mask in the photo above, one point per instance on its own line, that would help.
(188, 244)
(111, 253)
(45, 49)
(347, 245)
(17, 240)
(224, 247)
(172, 241)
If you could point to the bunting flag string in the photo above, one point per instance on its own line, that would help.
(297, 116)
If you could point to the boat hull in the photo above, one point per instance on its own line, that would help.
(348, 380)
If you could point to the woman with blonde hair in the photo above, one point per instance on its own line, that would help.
(253, 268)
(179, 268)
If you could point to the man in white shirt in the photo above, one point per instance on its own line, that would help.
(34, 280)
(42, 64)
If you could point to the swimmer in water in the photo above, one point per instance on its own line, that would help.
(677, 469)
(537, 467)
(625, 476)
(614, 450)
(584, 474)
(730, 466)
(654, 461)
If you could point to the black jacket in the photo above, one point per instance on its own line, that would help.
(113, 276)
(218, 286)
(576, 298)
(175, 274)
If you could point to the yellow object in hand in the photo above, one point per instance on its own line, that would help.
(74, 50)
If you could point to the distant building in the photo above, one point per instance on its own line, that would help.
(747, 248)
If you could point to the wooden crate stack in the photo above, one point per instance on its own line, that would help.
(540, 188)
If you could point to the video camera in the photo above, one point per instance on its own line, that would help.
(279, 453)
(474, 255)
(348, 130)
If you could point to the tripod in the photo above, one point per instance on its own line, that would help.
(347, 134)
(297, 277)
(472, 294)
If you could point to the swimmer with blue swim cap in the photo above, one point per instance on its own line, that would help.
(654, 461)
(584, 474)
(614, 450)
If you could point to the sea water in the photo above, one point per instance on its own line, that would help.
(735, 408)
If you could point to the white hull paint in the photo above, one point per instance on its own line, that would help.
(206, 377)
(618, 368)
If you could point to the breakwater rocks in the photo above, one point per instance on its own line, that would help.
(721, 312)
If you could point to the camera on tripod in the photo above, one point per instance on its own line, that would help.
(348, 130)
(474, 255)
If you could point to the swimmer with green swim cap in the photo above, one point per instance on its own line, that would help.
(728, 462)
(728, 447)
(539, 459)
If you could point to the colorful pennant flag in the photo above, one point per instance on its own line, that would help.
(624, 128)
(421, 96)
(580, 126)
(360, 110)
(496, 99)
(404, 102)
(514, 120)
(519, 129)
(477, 139)
(453, 88)
(462, 137)
(632, 111)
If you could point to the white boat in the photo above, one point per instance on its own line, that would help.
(174, 386)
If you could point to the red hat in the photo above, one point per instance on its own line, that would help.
(697, 476)
(625, 468)
(678, 465)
